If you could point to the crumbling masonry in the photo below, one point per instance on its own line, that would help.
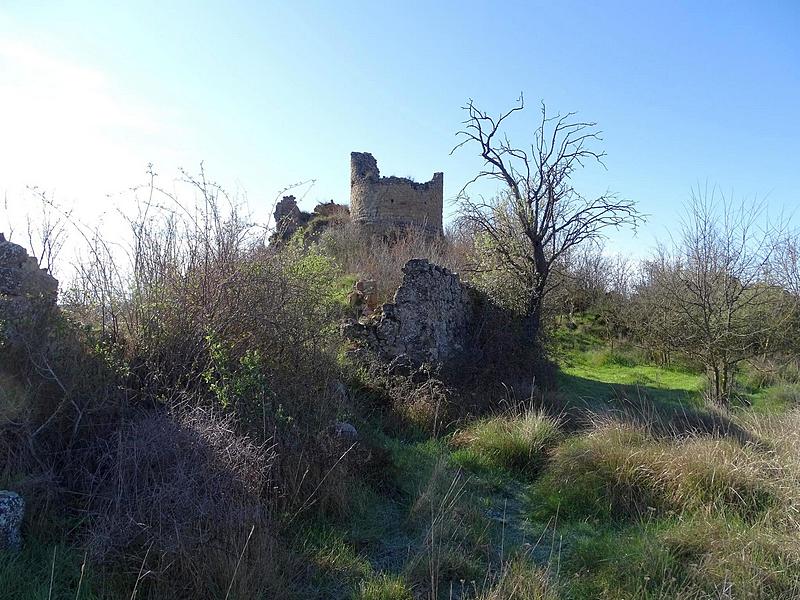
(383, 205)
(27, 293)
(427, 322)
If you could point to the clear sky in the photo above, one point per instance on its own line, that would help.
(270, 93)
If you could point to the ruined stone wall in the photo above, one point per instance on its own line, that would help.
(388, 203)
(428, 321)
(289, 218)
(27, 293)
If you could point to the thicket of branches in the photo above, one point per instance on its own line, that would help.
(723, 292)
(182, 397)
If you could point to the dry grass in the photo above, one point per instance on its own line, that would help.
(623, 472)
(371, 257)
(521, 580)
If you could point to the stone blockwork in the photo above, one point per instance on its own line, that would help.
(26, 291)
(428, 322)
(287, 216)
(388, 204)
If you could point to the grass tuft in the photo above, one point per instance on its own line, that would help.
(384, 587)
(515, 443)
(521, 580)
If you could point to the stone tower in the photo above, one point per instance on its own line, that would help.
(387, 204)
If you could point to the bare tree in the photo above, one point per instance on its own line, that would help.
(717, 287)
(788, 264)
(651, 318)
(539, 215)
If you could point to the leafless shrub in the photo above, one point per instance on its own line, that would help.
(170, 479)
(177, 492)
(715, 295)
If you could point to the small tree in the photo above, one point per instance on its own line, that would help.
(651, 318)
(538, 216)
(714, 295)
(786, 341)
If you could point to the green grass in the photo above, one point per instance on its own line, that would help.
(629, 562)
(337, 565)
(692, 557)
(592, 371)
(659, 496)
(384, 587)
(777, 398)
(586, 379)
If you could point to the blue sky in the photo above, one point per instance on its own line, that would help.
(269, 93)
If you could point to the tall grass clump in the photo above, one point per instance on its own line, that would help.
(516, 442)
(384, 587)
(519, 579)
(448, 552)
(620, 472)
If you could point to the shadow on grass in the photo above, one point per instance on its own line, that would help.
(663, 411)
(592, 391)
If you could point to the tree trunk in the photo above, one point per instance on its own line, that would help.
(533, 320)
(726, 383)
(715, 393)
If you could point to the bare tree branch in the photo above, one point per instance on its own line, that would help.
(540, 216)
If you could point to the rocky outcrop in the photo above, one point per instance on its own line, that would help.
(12, 509)
(289, 218)
(428, 321)
(20, 274)
(27, 293)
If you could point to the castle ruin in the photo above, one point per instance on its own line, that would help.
(384, 205)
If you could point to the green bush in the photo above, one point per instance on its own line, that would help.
(608, 357)
(786, 395)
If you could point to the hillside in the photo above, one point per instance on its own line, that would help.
(212, 434)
